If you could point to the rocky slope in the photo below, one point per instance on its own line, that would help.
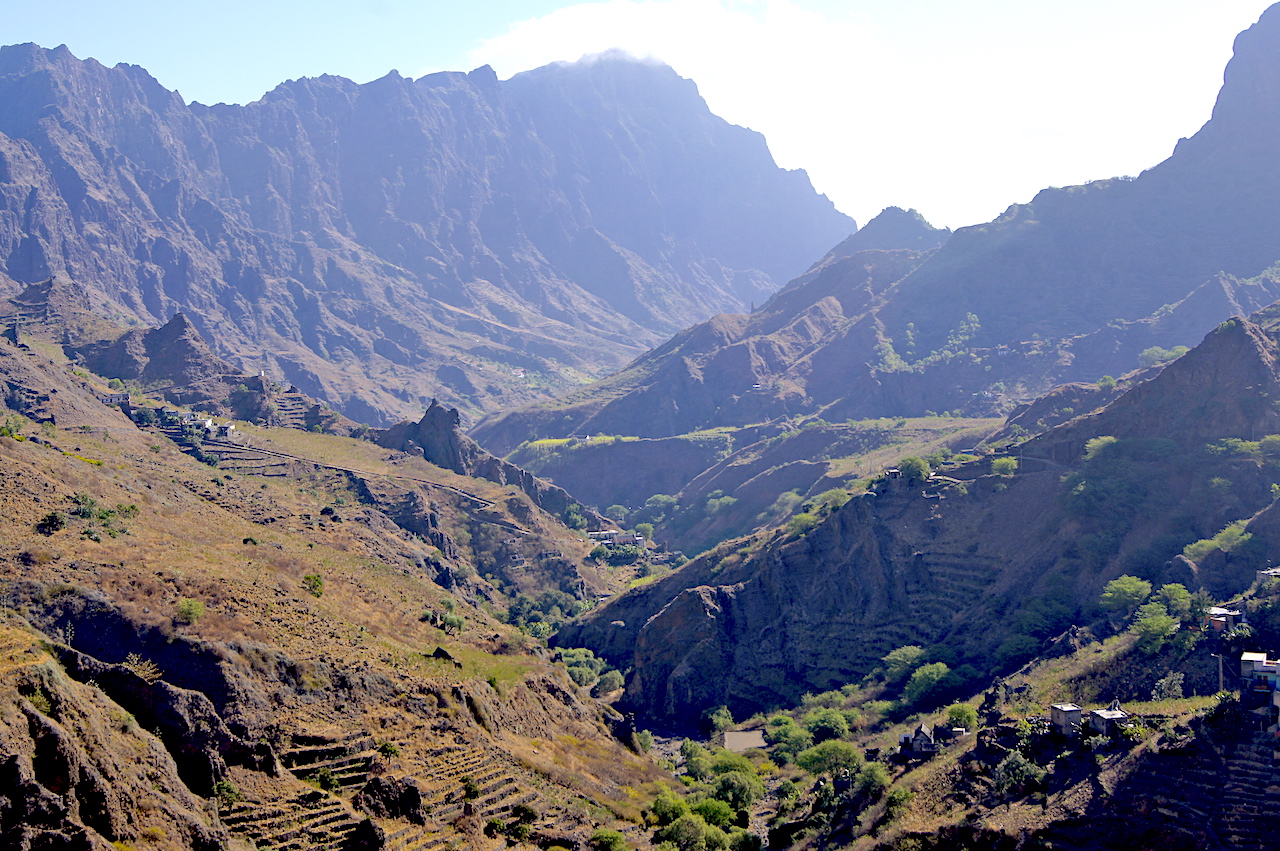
(982, 567)
(294, 646)
(458, 237)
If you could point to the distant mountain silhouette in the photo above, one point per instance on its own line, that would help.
(379, 245)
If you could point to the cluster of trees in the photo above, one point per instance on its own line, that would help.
(586, 669)
(722, 787)
(1156, 619)
(542, 615)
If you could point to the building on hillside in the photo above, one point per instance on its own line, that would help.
(1260, 689)
(1220, 619)
(115, 399)
(1065, 718)
(921, 743)
(743, 740)
(227, 431)
(1258, 673)
(1110, 721)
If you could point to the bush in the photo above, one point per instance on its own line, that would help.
(1016, 773)
(325, 779)
(609, 681)
(667, 808)
(725, 761)
(687, 833)
(314, 584)
(896, 802)
(872, 779)
(189, 611)
(720, 719)
(54, 521)
(227, 793)
(1004, 467)
(607, 840)
(714, 811)
(962, 715)
(583, 675)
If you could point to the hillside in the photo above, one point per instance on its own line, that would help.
(983, 564)
(457, 237)
(298, 639)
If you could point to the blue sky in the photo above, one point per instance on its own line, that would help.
(955, 108)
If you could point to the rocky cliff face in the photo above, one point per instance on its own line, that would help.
(453, 236)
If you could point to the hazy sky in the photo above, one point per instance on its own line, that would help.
(955, 108)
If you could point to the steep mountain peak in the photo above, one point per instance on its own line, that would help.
(1248, 105)
(893, 229)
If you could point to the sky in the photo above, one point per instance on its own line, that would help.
(957, 109)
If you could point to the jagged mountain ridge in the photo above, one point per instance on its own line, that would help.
(1073, 285)
(381, 244)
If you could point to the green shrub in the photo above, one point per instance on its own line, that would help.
(226, 793)
(1004, 467)
(314, 584)
(54, 521)
(826, 724)
(714, 811)
(189, 611)
(607, 840)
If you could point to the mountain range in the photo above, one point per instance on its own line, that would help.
(457, 237)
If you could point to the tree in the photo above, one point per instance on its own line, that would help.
(826, 724)
(1153, 626)
(617, 513)
(1015, 773)
(1107, 383)
(830, 757)
(898, 663)
(914, 469)
(1176, 599)
(962, 715)
(923, 680)
(1125, 593)
(645, 530)
(738, 789)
